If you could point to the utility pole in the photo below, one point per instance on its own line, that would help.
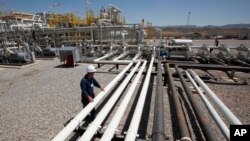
(188, 20)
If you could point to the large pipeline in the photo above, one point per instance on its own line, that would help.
(202, 119)
(158, 123)
(94, 126)
(112, 127)
(223, 127)
(223, 108)
(134, 124)
(183, 127)
(74, 123)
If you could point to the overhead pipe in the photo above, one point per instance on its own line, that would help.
(94, 126)
(74, 123)
(183, 127)
(223, 108)
(111, 129)
(134, 124)
(223, 127)
(202, 119)
(158, 133)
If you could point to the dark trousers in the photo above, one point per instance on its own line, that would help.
(85, 102)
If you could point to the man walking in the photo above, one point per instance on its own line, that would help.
(87, 86)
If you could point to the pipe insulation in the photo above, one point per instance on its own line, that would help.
(74, 123)
(94, 126)
(223, 127)
(134, 124)
(223, 108)
(111, 129)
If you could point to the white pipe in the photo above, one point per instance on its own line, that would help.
(223, 108)
(134, 124)
(91, 130)
(103, 57)
(120, 56)
(111, 129)
(223, 127)
(136, 56)
(63, 134)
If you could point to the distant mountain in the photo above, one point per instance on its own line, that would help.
(237, 26)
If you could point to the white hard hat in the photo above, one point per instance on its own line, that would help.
(91, 68)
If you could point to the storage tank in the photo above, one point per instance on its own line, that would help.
(181, 42)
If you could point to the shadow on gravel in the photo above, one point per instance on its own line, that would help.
(193, 121)
(64, 66)
(142, 131)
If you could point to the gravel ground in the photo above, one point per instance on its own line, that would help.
(37, 99)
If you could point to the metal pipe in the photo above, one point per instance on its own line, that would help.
(223, 108)
(66, 131)
(91, 130)
(103, 57)
(158, 133)
(183, 127)
(134, 124)
(216, 61)
(202, 119)
(110, 131)
(120, 56)
(223, 127)
(239, 62)
(136, 56)
(212, 67)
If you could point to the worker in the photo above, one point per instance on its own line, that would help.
(216, 42)
(87, 86)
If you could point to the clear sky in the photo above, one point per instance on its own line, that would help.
(158, 12)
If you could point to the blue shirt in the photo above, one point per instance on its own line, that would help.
(87, 86)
